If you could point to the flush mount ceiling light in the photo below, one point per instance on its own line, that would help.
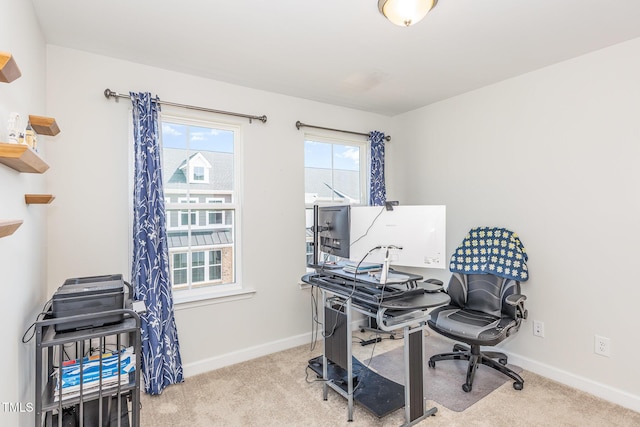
(405, 12)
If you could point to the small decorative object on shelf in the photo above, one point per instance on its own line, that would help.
(9, 70)
(44, 125)
(30, 136)
(7, 227)
(13, 127)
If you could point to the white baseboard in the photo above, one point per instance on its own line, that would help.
(209, 364)
(603, 391)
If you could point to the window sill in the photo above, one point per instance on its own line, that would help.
(191, 300)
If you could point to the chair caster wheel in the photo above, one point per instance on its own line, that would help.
(518, 386)
(432, 364)
(502, 361)
(466, 388)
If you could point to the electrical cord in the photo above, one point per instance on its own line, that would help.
(370, 226)
(44, 312)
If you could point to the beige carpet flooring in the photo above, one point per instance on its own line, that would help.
(278, 390)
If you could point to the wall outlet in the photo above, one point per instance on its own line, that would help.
(602, 346)
(538, 328)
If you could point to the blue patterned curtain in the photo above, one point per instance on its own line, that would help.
(378, 190)
(161, 362)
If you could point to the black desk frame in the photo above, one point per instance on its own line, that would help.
(349, 297)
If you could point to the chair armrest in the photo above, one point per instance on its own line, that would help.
(515, 299)
(432, 285)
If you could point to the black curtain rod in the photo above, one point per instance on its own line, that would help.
(299, 125)
(108, 93)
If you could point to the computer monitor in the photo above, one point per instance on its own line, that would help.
(419, 230)
(333, 227)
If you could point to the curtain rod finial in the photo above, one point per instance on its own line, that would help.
(108, 93)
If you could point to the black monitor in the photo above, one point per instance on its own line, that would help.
(333, 228)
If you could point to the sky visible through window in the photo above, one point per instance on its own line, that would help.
(327, 156)
(176, 135)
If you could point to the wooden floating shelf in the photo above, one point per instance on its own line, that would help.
(38, 199)
(7, 227)
(21, 158)
(9, 70)
(44, 125)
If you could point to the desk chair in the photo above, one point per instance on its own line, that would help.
(485, 308)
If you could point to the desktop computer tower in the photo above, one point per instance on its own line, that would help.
(335, 330)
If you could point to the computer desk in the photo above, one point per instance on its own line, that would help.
(397, 306)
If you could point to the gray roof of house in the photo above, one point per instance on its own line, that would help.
(180, 239)
(317, 181)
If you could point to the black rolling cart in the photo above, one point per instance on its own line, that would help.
(106, 359)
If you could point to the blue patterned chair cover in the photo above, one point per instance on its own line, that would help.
(491, 250)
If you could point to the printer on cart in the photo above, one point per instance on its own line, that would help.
(84, 295)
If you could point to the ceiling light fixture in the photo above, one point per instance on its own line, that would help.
(405, 12)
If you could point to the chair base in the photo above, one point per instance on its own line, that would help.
(476, 357)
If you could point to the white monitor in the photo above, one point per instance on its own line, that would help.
(419, 230)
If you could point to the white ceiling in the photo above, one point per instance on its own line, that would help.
(342, 52)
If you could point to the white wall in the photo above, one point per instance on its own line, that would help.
(89, 222)
(22, 255)
(552, 155)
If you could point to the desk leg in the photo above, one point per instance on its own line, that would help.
(349, 363)
(325, 375)
(414, 362)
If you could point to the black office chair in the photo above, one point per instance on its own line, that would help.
(486, 304)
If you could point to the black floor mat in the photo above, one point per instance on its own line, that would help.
(374, 392)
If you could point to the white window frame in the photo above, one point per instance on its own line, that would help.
(196, 296)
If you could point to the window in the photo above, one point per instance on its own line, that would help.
(215, 217)
(179, 269)
(188, 217)
(336, 172)
(200, 167)
(198, 174)
(215, 265)
(197, 266)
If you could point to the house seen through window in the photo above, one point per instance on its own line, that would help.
(336, 172)
(201, 201)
